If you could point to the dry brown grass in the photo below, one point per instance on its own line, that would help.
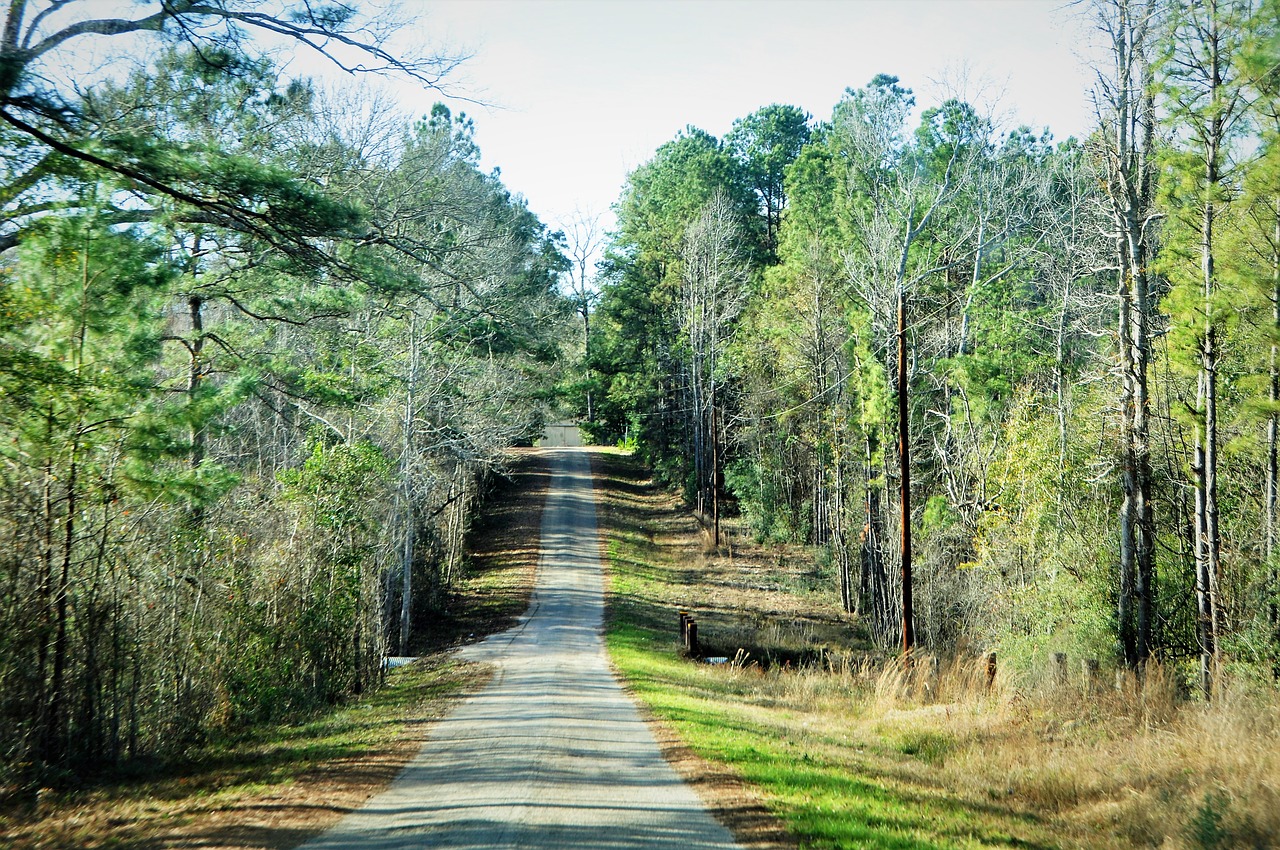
(1133, 767)
(1119, 767)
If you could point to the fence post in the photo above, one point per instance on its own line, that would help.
(1059, 669)
(1090, 666)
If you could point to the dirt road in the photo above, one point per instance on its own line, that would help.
(552, 753)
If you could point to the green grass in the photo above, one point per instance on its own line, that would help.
(831, 789)
(279, 752)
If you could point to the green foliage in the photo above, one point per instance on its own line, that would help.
(986, 236)
(636, 345)
(1206, 829)
(336, 483)
(766, 143)
(664, 196)
(770, 511)
(1043, 547)
(253, 363)
(950, 132)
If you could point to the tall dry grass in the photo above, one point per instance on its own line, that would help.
(1113, 761)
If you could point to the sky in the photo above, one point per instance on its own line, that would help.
(574, 94)
(568, 96)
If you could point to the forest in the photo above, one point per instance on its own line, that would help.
(1017, 393)
(262, 343)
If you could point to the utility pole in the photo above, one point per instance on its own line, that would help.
(904, 455)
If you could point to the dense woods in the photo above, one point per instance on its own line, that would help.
(260, 346)
(1018, 393)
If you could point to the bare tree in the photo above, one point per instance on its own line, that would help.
(1125, 150)
(584, 237)
(715, 274)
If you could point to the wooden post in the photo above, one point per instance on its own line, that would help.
(691, 642)
(1059, 669)
(1090, 667)
(684, 626)
(991, 669)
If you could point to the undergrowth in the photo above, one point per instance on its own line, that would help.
(273, 785)
(269, 786)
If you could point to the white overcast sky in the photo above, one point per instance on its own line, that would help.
(579, 92)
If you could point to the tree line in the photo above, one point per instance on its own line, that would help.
(1017, 392)
(260, 346)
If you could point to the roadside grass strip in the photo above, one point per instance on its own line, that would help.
(832, 789)
(269, 786)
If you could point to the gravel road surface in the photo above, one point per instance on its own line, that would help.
(552, 753)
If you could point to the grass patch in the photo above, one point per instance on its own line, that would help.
(851, 753)
(831, 789)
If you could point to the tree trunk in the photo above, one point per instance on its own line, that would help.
(904, 455)
(1273, 439)
(973, 287)
(357, 636)
(715, 476)
(1060, 376)
(1204, 609)
(1143, 516)
(840, 545)
(1130, 112)
(1128, 476)
(55, 747)
(1208, 550)
(406, 579)
(195, 374)
(44, 617)
(874, 580)
(410, 528)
